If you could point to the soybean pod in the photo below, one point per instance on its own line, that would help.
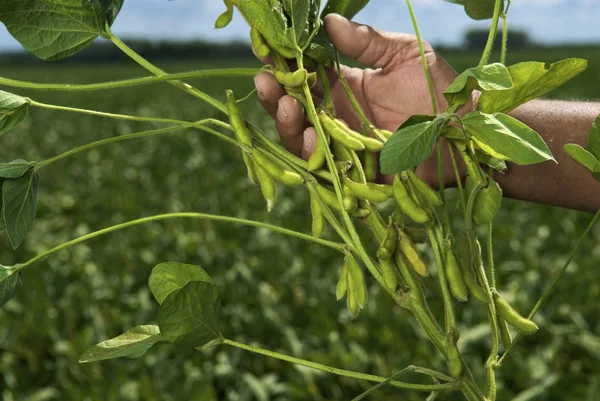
(250, 168)
(363, 191)
(513, 317)
(318, 220)
(388, 245)
(287, 177)
(357, 280)
(417, 235)
(370, 165)
(342, 285)
(259, 45)
(454, 273)
(369, 143)
(388, 271)
(504, 332)
(411, 254)
(474, 288)
(236, 119)
(407, 203)
(339, 134)
(425, 190)
(267, 186)
(318, 158)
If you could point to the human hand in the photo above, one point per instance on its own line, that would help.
(389, 94)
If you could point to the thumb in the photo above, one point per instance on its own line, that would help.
(363, 43)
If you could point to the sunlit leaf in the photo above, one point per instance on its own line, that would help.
(131, 344)
(190, 316)
(581, 156)
(593, 139)
(531, 80)
(488, 77)
(172, 276)
(347, 8)
(481, 9)
(19, 200)
(13, 110)
(507, 136)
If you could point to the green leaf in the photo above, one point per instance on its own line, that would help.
(298, 11)
(320, 49)
(270, 20)
(190, 316)
(531, 80)
(131, 344)
(13, 110)
(507, 137)
(488, 77)
(581, 156)
(19, 200)
(497, 164)
(347, 8)
(593, 139)
(224, 19)
(16, 168)
(172, 276)
(481, 9)
(54, 29)
(409, 146)
(9, 283)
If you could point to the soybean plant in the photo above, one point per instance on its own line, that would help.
(340, 177)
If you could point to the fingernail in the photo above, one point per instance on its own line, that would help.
(281, 113)
(258, 87)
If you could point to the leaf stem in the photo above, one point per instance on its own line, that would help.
(487, 52)
(413, 17)
(228, 72)
(561, 272)
(188, 215)
(341, 372)
(198, 125)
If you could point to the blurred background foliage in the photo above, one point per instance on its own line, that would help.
(278, 292)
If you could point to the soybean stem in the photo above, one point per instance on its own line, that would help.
(339, 372)
(201, 216)
(561, 272)
(487, 52)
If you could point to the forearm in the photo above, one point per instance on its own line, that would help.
(566, 184)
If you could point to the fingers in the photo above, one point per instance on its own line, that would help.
(269, 92)
(309, 142)
(290, 123)
(363, 43)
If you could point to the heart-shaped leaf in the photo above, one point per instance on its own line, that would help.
(172, 276)
(531, 80)
(409, 146)
(19, 200)
(13, 110)
(190, 316)
(481, 9)
(581, 156)
(52, 29)
(507, 137)
(488, 77)
(9, 283)
(131, 344)
(15, 169)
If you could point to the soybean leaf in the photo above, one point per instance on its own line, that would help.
(593, 140)
(347, 8)
(480, 9)
(531, 80)
(298, 12)
(131, 344)
(409, 146)
(270, 20)
(507, 137)
(13, 110)
(581, 156)
(495, 163)
(15, 169)
(190, 316)
(53, 29)
(19, 200)
(9, 283)
(172, 276)
(320, 49)
(488, 77)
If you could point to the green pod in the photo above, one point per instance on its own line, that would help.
(339, 134)
(318, 220)
(329, 197)
(370, 166)
(454, 274)
(504, 333)
(311, 79)
(250, 168)
(407, 203)
(318, 158)
(287, 177)
(388, 271)
(474, 289)
(388, 245)
(417, 235)
(356, 281)
(349, 200)
(362, 191)
(385, 133)
(513, 317)
(371, 144)
(236, 119)
(291, 79)
(425, 190)
(386, 189)
(361, 213)
(342, 285)
(488, 200)
(261, 49)
(455, 364)
(267, 186)
(411, 254)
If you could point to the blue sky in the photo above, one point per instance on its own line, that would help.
(548, 21)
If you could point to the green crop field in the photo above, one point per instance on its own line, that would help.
(279, 292)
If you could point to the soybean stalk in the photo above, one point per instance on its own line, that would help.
(487, 52)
